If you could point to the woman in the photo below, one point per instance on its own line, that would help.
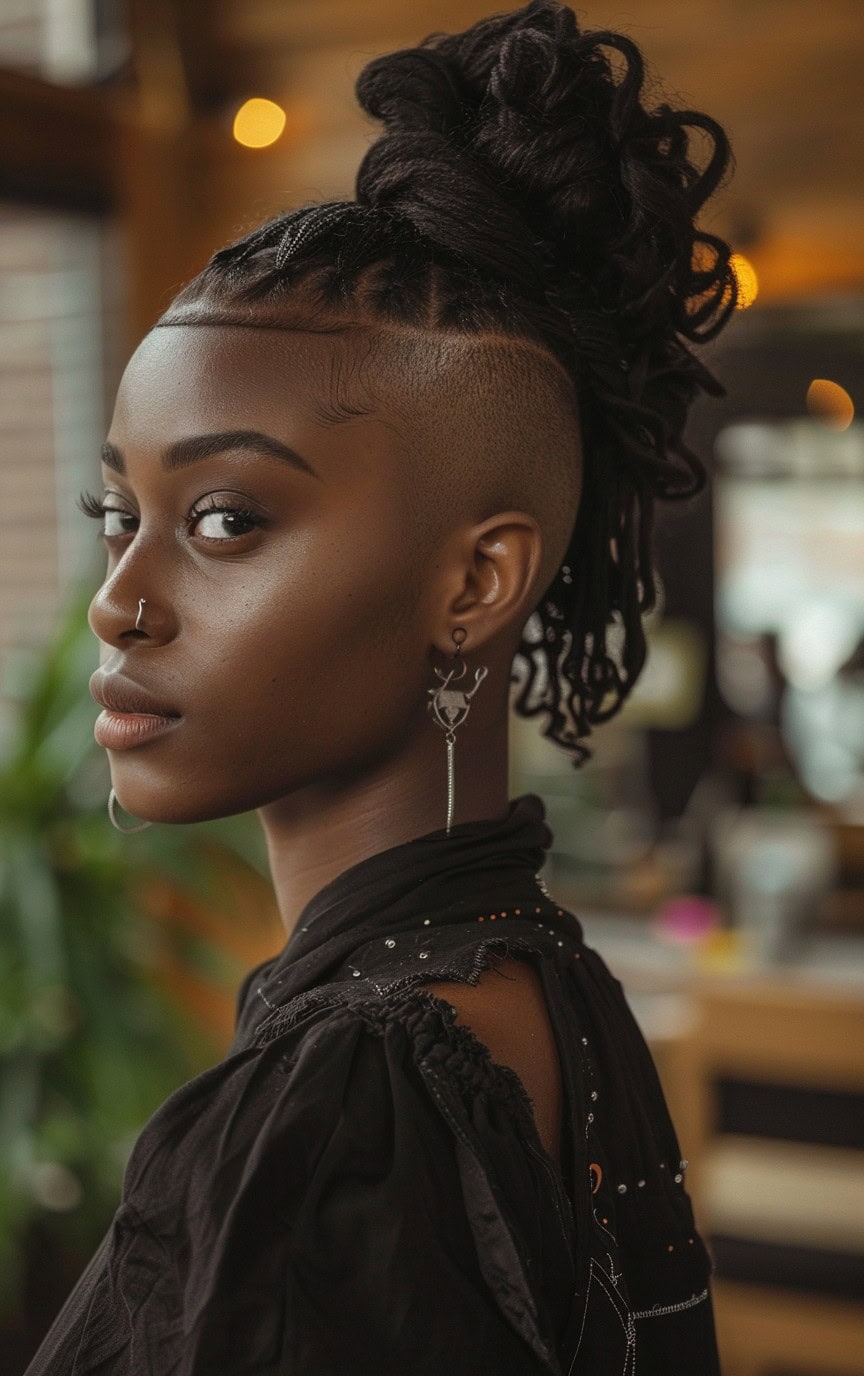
(379, 461)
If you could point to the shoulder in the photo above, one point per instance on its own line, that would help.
(410, 1031)
(337, 1157)
(341, 1081)
(306, 1101)
(506, 1011)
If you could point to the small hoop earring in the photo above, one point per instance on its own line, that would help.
(112, 800)
(450, 707)
(141, 601)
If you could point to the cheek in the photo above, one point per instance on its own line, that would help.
(331, 651)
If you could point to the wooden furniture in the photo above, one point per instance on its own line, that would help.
(785, 1195)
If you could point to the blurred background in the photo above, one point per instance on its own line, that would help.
(714, 845)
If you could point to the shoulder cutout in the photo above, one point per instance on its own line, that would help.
(506, 1010)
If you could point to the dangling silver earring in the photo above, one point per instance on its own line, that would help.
(112, 799)
(450, 707)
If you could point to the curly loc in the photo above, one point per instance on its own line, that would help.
(520, 190)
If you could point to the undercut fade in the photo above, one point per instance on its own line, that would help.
(522, 199)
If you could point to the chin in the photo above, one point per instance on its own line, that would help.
(183, 810)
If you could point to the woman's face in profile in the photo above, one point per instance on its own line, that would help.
(285, 636)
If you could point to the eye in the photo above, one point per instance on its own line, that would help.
(220, 518)
(111, 516)
(224, 521)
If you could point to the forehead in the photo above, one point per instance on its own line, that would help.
(207, 377)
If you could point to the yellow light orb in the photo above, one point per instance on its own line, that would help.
(830, 403)
(748, 282)
(258, 123)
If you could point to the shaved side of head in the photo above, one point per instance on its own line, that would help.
(492, 425)
(489, 423)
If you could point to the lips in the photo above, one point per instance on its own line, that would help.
(121, 694)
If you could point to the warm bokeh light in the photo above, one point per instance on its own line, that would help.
(830, 403)
(258, 123)
(748, 282)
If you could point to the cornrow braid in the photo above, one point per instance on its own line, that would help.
(518, 189)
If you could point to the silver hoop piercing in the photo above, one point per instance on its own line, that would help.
(112, 799)
(451, 706)
(141, 601)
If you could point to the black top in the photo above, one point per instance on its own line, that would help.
(358, 1189)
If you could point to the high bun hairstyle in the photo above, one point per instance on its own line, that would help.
(520, 188)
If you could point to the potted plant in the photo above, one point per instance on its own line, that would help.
(119, 962)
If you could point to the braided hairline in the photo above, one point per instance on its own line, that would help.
(588, 336)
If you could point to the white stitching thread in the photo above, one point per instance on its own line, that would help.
(613, 1282)
(628, 1327)
(584, 1314)
(605, 1230)
(657, 1309)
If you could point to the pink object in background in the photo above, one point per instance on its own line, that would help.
(686, 918)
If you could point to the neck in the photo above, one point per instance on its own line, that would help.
(320, 830)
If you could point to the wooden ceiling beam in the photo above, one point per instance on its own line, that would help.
(306, 24)
(162, 96)
(666, 24)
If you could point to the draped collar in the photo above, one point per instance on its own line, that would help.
(440, 877)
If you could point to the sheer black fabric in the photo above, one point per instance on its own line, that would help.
(359, 1189)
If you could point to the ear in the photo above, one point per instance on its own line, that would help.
(494, 567)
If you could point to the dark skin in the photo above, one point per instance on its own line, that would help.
(299, 652)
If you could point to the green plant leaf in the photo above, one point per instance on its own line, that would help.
(90, 1044)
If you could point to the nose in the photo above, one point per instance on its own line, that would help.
(124, 599)
(113, 619)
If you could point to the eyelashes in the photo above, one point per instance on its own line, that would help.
(97, 510)
(90, 505)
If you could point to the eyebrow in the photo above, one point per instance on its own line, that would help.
(184, 452)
